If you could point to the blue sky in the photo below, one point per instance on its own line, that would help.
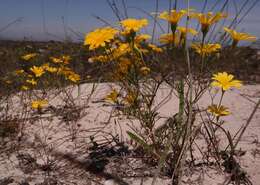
(53, 19)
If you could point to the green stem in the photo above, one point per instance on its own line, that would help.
(221, 98)
(181, 101)
(202, 55)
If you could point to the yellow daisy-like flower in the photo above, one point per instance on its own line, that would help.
(130, 98)
(238, 36)
(56, 60)
(155, 48)
(112, 96)
(48, 68)
(218, 110)
(133, 24)
(145, 70)
(184, 31)
(173, 16)
(29, 56)
(206, 49)
(32, 81)
(51, 69)
(19, 72)
(63, 70)
(24, 88)
(208, 19)
(100, 58)
(169, 39)
(74, 77)
(39, 104)
(65, 59)
(116, 52)
(99, 37)
(38, 71)
(142, 37)
(123, 67)
(121, 50)
(225, 81)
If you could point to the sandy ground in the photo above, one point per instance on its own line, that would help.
(49, 139)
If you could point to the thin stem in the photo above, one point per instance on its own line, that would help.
(221, 98)
(202, 55)
(247, 123)
(155, 19)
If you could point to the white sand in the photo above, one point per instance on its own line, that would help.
(57, 136)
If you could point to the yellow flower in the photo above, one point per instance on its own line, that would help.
(99, 37)
(49, 69)
(112, 96)
(100, 58)
(184, 31)
(29, 56)
(19, 72)
(121, 50)
(142, 37)
(206, 49)
(133, 24)
(74, 77)
(155, 48)
(32, 81)
(56, 60)
(65, 59)
(238, 36)
(225, 81)
(207, 19)
(114, 53)
(64, 71)
(173, 16)
(25, 88)
(123, 66)
(145, 70)
(169, 39)
(218, 110)
(130, 98)
(38, 71)
(39, 104)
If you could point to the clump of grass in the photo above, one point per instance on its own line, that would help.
(133, 59)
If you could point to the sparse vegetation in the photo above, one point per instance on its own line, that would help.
(91, 111)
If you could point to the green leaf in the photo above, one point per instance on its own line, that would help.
(139, 140)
